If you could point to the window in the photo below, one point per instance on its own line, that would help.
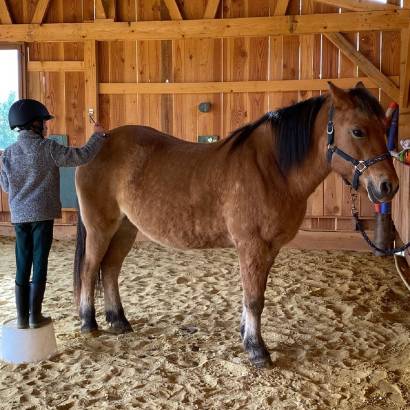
(11, 89)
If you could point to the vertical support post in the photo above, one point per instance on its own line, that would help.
(91, 84)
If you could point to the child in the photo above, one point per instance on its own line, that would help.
(30, 175)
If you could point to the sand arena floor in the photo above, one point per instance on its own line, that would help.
(337, 325)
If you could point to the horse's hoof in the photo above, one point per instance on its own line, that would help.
(120, 328)
(263, 363)
(89, 328)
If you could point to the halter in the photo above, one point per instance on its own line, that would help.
(359, 165)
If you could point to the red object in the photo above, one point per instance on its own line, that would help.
(377, 208)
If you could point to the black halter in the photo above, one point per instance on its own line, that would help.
(359, 165)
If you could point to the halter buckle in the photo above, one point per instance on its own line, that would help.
(361, 167)
(330, 128)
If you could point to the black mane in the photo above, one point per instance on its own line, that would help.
(293, 126)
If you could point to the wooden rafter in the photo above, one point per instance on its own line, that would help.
(4, 13)
(40, 11)
(173, 9)
(359, 5)
(281, 7)
(211, 9)
(365, 65)
(216, 28)
(100, 12)
(232, 86)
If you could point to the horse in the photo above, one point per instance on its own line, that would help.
(248, 191)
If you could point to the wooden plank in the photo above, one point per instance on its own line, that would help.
(347, 69)
(369, 47)
(74, 113)
(309, 71)
(390, 59)
(91, 85)
(40, 11)
(211, 9)
(358, 5)
(173, 9)
(231, 86)
(207, 28)
(291, 49)
(405, 68)
(55, 66)
(281, 7)
(4, 13)
(100, 12)
(365, 65)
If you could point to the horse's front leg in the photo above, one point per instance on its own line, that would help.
(256, 259)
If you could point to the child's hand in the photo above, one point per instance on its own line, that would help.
(98, 128)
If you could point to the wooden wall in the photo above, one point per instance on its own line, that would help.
(200, 60)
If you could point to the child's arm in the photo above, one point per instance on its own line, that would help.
(4, 181)
(72, 157)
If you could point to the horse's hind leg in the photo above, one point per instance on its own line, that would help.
(118, 249)
(256, 259)
(97, 242)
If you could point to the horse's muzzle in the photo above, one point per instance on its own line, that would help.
(383, 193)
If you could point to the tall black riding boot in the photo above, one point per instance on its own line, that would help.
(36, 299)
(22, 305)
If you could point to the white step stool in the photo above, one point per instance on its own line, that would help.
(27, 345)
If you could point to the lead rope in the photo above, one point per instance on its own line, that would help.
(355, 214)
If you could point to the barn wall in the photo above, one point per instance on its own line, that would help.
(204, 60)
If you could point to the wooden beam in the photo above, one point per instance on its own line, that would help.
(173, 9)
(91, 84)
(55, 66)
(231, 86)
(349, 50)
(281, 7)
(40, 11)
(211, 9)
(359, 5)
(206, 28)
(4, 13)
(100, 10)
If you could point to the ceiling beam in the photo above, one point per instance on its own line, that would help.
(359, 5)
(4, 13)
(281, 7)
(173, 9)
(365, 65)
(207, 28)
(211, 9)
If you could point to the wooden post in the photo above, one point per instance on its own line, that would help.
(91, 86)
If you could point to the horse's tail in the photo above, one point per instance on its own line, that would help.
(79, 256)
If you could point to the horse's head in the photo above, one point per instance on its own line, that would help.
(356, 142)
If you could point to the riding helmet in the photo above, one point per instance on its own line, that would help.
(25, 111)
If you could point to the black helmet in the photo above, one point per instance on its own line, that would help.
(25, 111)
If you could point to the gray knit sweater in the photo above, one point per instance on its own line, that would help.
(30, 174)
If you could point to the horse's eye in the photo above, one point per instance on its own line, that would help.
(356, 133)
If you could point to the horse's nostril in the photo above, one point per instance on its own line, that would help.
(386, 188)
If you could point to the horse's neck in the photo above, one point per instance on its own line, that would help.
(306, 177)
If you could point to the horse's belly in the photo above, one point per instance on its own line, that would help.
(183, 229)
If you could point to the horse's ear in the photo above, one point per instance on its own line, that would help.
(359, 85)
(340, 97)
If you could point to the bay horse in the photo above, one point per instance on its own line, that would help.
(249, 191)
